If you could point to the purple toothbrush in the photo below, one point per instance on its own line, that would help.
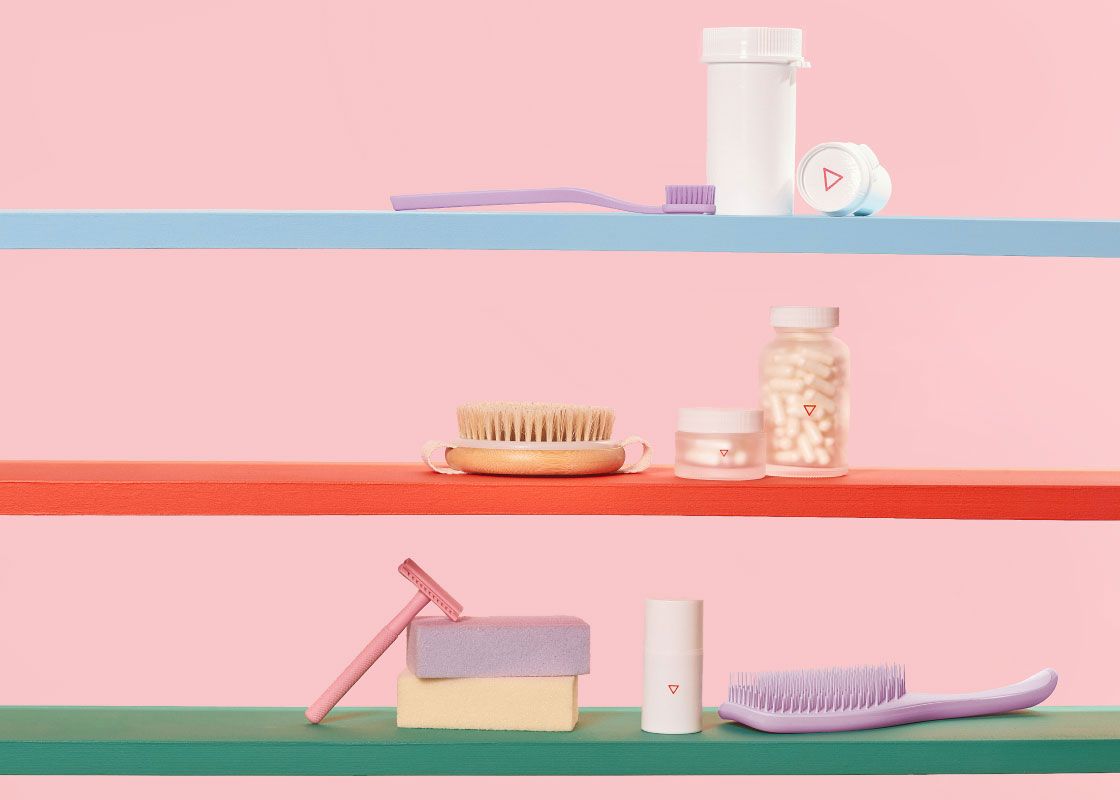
(857, 698)
(681, 199)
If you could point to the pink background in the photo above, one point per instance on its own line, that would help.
(993, 108)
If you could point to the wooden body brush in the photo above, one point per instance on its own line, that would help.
(536, 439)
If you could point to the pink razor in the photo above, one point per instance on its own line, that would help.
(679, 199)
(429, 590)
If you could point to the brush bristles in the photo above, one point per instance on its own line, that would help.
(690, 195)
(535, 422)
(813, 691)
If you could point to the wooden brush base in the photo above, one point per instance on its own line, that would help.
(488, 461)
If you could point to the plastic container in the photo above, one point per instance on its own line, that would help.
(752, 103)
(804, 383)
(674, 660)
(841, 178)
(720, 444)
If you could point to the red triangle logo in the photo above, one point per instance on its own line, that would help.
(836, 178)
(723, 452)
(673, 688)
(809, 409)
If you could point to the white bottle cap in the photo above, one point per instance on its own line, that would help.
(719, 420)
(753, 45)
(804, 316)
(674, 626)
(841, 178)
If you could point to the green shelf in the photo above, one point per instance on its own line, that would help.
(607, 741)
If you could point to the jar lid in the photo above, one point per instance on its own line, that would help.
(835, 177)
(719, 420)
(674, 625)
(804, 316)
(753, 45)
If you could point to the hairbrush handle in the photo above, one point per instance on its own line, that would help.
(429, 450)
(644, 460)
(1017, 696)
(510, 197)
(365, 659)
(910, 707)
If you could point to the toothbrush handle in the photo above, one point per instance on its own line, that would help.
(365, 659)
(1024, 694)
(509, 197)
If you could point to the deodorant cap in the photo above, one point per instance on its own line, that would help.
(674, 626)
(841, 178)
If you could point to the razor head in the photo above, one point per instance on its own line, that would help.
(436, 593)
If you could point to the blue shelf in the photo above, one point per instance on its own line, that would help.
(388, 230)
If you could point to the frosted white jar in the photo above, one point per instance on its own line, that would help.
(752, 103)
(804, 382)
(720, 444)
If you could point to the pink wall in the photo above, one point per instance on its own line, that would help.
(993, 108)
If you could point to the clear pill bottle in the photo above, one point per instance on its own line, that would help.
(804, 385)
(720, 444)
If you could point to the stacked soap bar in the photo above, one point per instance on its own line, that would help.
(493, 673)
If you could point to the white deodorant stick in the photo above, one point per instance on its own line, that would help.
(674, 659)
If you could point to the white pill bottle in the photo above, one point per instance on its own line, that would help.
(804, 383)
(752, 104)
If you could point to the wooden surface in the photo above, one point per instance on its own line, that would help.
(278, 741)
(521, 230)
(201, 488)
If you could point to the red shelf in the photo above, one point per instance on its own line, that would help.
(202, 488)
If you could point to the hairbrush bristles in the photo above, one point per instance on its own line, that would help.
(813, 691)
(534, 422)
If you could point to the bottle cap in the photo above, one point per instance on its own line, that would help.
(719, 420)
(839, 178)
(804, 316)
(674, 625)
(753, 45)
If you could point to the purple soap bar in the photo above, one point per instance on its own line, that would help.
(498, 647)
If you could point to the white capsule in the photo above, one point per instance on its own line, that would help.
(779, 370)
(783, 443)
(823, 458)
(786, 456)
(786, 357)
(785, 385)
(805, 447)
(777, 413)
(792, 427)
(812, 431)
(829, 442)
(825, 425)
(817, 355)
(824, 387)
(816, 368)
(825, 405)
(739, 458)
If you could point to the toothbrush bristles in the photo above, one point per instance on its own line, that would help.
(813, 691)
(690, 195)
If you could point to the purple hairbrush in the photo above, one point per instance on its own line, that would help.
(857, 698)
(682, 199)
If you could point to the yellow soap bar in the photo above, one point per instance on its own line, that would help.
(491, 704)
